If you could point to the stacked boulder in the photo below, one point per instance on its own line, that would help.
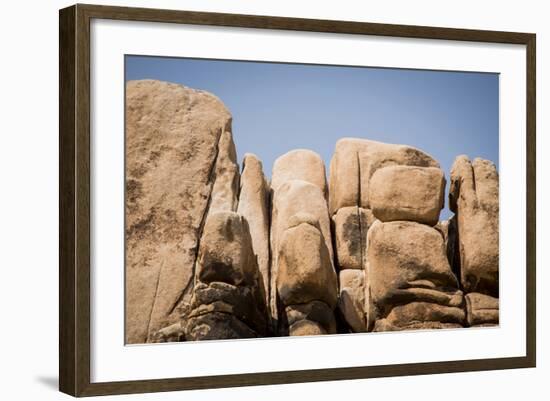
(304, 287)
(229, 297)
(213, 253)
(408, 281)
(474, 197)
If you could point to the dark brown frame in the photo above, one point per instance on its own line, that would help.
(74, 199)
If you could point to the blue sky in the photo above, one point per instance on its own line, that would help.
(279, 107)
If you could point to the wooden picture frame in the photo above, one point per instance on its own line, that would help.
(74, 199)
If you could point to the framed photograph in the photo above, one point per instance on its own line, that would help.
(250, 200)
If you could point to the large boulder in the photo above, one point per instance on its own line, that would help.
(294, 202)
(351, 301)
(481, 309)
(305, 272)
(308, 318)
(407, 193)
(299, 164)
(350, 226)
(172, 137)
(254, 207)
(410, 282)
(356, 160)
(225, 252)
(474, 198)
(229, 300)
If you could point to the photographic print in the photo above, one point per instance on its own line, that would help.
(268, 199)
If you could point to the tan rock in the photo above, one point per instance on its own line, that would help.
(407, 264)
(222, 311)
(350, 226)
(314, 311)
(352, 299)
(225, 253)
(355, 161)
(172, 135)
(421, 315)
(226, 176)
(295, 202)
(299, 164)
(305, 272)
(229, 298)
(306, 328)
(407, 193)
(254, 207)
(474, 198)
(482, 310)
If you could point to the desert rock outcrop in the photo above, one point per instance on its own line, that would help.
(215, 253)
(302, 268)
(229, 298)
(172, 138)
(411, 284)
(474, 197)
(254, 206)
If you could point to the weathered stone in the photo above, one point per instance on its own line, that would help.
(300, 164)
(217, 326)
(421, 315)
(407, 264)
(481, 309)
(254, 207)
(305, 272)
(474, 198)
(315, 311)
(356, 160)
(295, 202)
(350, 226)
(407, 193)
(226, 176)
(306, 328)
(172, 135)
(225, 253)
(352, 299)
(229, 299)
(242, 305)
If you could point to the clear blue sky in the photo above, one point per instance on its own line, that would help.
(280, 107)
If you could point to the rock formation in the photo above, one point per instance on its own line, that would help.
(214, 253)
(254, 206)
(474, 198)
(302, 268)
(229, 297)
(172, 140)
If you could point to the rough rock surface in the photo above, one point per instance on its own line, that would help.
(474, 198)
(254, 207)
(351, 302)
(172, 135)
(296, 202)
(213, 255)
(350, 226)
(226, 176)
(305, 271)
(314, 311)
(300, 164)
(482, 310)
(407, 193)
(356, 160)
(229, 298)
(411, 284)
